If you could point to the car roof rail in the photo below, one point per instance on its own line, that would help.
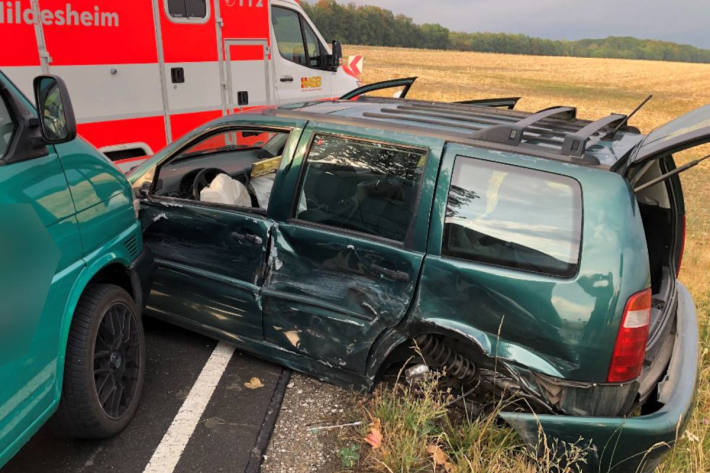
(473, 116)
(502, 102)
(575, 143)
(463, 124)
(512, 134)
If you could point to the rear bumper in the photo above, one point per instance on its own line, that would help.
(142, 271)
(636, 443)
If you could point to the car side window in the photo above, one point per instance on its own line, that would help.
(314, 49)
(234, 167)
(289, 37)
(359, 185)
(290, 28)
(514, 217)
(7, 128)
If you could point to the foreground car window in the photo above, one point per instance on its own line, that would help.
(512, 216)
(234, 167)
(359, 185)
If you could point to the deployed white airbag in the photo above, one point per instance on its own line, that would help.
(262, 186)
(225, 190)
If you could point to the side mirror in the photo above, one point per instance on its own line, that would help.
(337, 54)
(56, 115)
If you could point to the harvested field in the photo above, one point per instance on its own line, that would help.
(596, 87)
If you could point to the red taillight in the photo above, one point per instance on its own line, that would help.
(630, 348)
(682, 247)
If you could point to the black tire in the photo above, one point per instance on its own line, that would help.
(103, 370)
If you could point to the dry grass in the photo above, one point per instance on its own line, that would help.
(596, 87)
(422, 432)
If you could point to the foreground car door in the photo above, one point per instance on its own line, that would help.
(345, 265)
(209, 255)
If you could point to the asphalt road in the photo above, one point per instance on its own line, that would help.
(226, 431)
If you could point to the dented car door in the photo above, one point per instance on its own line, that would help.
(207, 264)
(209, 236)
(345, 261)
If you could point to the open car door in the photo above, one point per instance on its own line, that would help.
(403, 85)
(687, 131)
(684, 132)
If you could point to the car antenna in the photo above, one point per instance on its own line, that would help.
(626, 120)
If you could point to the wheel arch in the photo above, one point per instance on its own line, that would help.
(112, 267)
(391, 342)
(473, 341)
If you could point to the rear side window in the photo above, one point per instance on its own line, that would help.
(7, 128)
(513, 217)
(187, 9)
(360, 185)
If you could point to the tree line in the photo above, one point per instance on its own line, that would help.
(370, 25)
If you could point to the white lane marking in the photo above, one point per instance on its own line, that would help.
(168, 453)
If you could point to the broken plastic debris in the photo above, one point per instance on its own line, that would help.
(254, 383)
(331, 427)
(416, 373)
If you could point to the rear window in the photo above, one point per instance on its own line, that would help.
(187, 9)
(514, 217)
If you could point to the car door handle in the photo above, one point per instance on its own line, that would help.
(391, 273)
(247, 238)
(286, 79)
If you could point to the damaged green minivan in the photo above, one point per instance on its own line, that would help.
(529, 253)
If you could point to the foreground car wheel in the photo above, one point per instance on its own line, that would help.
(103, 371)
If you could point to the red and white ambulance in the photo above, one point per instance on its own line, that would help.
(144, 72)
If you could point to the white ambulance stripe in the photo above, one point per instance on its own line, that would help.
(121, 91)
(200, 89)
(124, 116)
(110, 90)
(154, 113)
(168, 453)
(22, 77)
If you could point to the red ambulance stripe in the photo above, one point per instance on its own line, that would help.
(244, 21)
(188, 42)
(246, 53)
(19, 40)
(253, 108)
(86, 32)
(149, 130)
(186, 122)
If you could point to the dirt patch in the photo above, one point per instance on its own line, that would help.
(300, 443)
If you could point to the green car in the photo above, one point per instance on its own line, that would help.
(72, 280)
(532, 254)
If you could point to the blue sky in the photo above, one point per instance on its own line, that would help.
(682, 21)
